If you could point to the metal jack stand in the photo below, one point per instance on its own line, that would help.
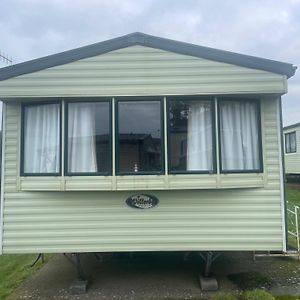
(79, 286)
(208, 282)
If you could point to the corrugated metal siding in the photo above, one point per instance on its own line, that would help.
(139, 70)
(292, 160)
(216, 219)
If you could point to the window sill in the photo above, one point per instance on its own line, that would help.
(143, 182)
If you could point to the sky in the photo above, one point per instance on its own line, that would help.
(270, 28)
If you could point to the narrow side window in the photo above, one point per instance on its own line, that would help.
(290, 142)
(239, 125)
(88, 138)
(41, 139)
(190, 136)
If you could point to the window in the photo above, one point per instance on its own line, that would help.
(88, 138)
(290, 142)
(139, 137)
(195, 144)
(41, 139)
(240, 142)
(190, 136)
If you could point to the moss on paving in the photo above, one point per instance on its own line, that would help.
(287, 297)
(250, 280)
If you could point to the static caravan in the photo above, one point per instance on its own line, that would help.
(292, 149)
(142, 143)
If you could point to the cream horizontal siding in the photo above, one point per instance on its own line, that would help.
(205, 219)
(211, 217)
(292, 160)
(139, 70)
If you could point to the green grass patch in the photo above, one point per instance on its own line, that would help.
(293, 198)
(293, 195)
(250, 280)
(223, 296)
(14, 269)
(257, 295)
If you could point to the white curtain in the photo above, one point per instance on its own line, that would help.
(41, 138)
(199, 137)
(81, 138)
(239, 136)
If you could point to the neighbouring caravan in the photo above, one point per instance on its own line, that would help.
(292, 149)
(141, 143)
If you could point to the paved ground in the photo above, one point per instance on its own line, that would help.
(154, 276)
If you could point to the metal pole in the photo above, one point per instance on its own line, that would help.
(297, 229)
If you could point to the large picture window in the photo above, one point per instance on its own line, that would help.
(190, 136)
(290, 142)
(41, 139)
(139, 137)
(194, 144)
(88, 138)
(240, 143)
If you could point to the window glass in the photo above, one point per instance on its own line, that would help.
(41, 139)
(88, 137)
(190, 136)
(290, 142)
(139, 137)
(239, 136)
(287, 143)
(293, 141)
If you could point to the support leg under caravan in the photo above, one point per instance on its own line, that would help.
(207, 281)
(79, 285)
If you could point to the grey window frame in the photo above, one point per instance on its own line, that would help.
(287, 136)
(217, 164)
(117, 152)
(260, 149)
(213, 118)
(86, 99)
(22, 152)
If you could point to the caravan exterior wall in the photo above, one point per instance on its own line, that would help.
(200, 211)
(195, 212)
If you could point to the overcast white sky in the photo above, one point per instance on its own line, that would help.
(271, 28)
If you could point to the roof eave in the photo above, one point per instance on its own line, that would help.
(291, 126)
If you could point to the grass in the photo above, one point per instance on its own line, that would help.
(293, 197)
(14, 269)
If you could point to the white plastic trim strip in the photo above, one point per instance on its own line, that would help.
(281, 175)
(2, 176)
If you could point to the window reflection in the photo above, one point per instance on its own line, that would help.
(139, 137)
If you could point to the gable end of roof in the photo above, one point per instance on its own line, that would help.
(148, 41)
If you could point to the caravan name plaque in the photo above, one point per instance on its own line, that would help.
(142, 201)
